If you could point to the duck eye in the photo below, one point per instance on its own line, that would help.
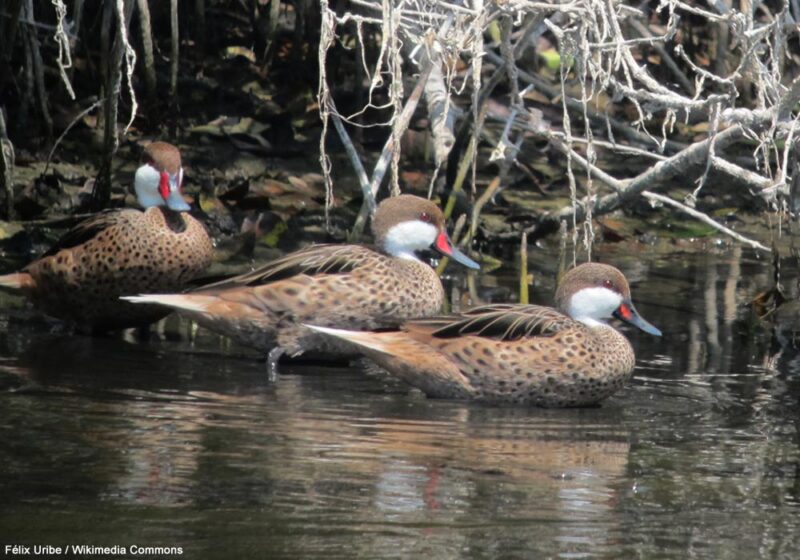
(425, 217)
(608, 284)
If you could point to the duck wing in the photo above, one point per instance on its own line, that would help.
(90, 228)
(310, 261)
(507, 322)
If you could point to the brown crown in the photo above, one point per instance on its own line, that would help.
(163, 156)
(591, 275)
(404, 208)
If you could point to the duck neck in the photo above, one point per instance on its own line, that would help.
(591, 322)
(174, 220)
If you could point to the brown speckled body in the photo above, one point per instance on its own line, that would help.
(517, 354)
(573, 365)
(348, 286)
(566, 363)
(127, 252)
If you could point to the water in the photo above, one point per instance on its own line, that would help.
(184, 442)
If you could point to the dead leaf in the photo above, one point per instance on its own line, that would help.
(255, 89)
(613, 230)
(767, 302)
(300, 185)
(537, 97)
(415, 180)
(269, 188)
(234, 51)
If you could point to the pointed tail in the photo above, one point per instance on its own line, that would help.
(18, 281)
(413, 361)
(182, 302)
(364, 340)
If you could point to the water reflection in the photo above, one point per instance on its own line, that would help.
(183, 441)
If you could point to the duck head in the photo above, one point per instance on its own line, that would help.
(593, 292)
(159, 179)
(406, 223)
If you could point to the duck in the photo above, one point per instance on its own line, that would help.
(346, 285)
(122, 251)
(517, 353)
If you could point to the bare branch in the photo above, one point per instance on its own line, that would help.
(705, 219)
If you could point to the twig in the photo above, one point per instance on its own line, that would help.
(38, 71)
(105, 38)
(401, 124)
(75, 31)
(272, 30)
(146, 34)
(440, 113)
(129, 55)
(30, 82)
(200, 27)
(75, 121)
(368, 207)
(101, 193)
(625, 191)
(619, 148)
(175, 53)
(358, 167)
(6, 169)
(705, 219)
(9, 28)
(524, 277)
(477, 208)
(509, 55)
(596, 117)
(326, 38)
(663, 171)
(665, 57)
(745, 175)
(465, 163)
(64, 60)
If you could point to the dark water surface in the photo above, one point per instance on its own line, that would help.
(184, 442)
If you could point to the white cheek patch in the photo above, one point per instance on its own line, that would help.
(146, 185)
(406, 237)
(590, 305)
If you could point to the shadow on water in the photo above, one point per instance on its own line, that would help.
(184, 442)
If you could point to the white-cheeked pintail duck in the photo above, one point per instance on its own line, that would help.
(513, 353)
(122, 252)
(332, 285)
